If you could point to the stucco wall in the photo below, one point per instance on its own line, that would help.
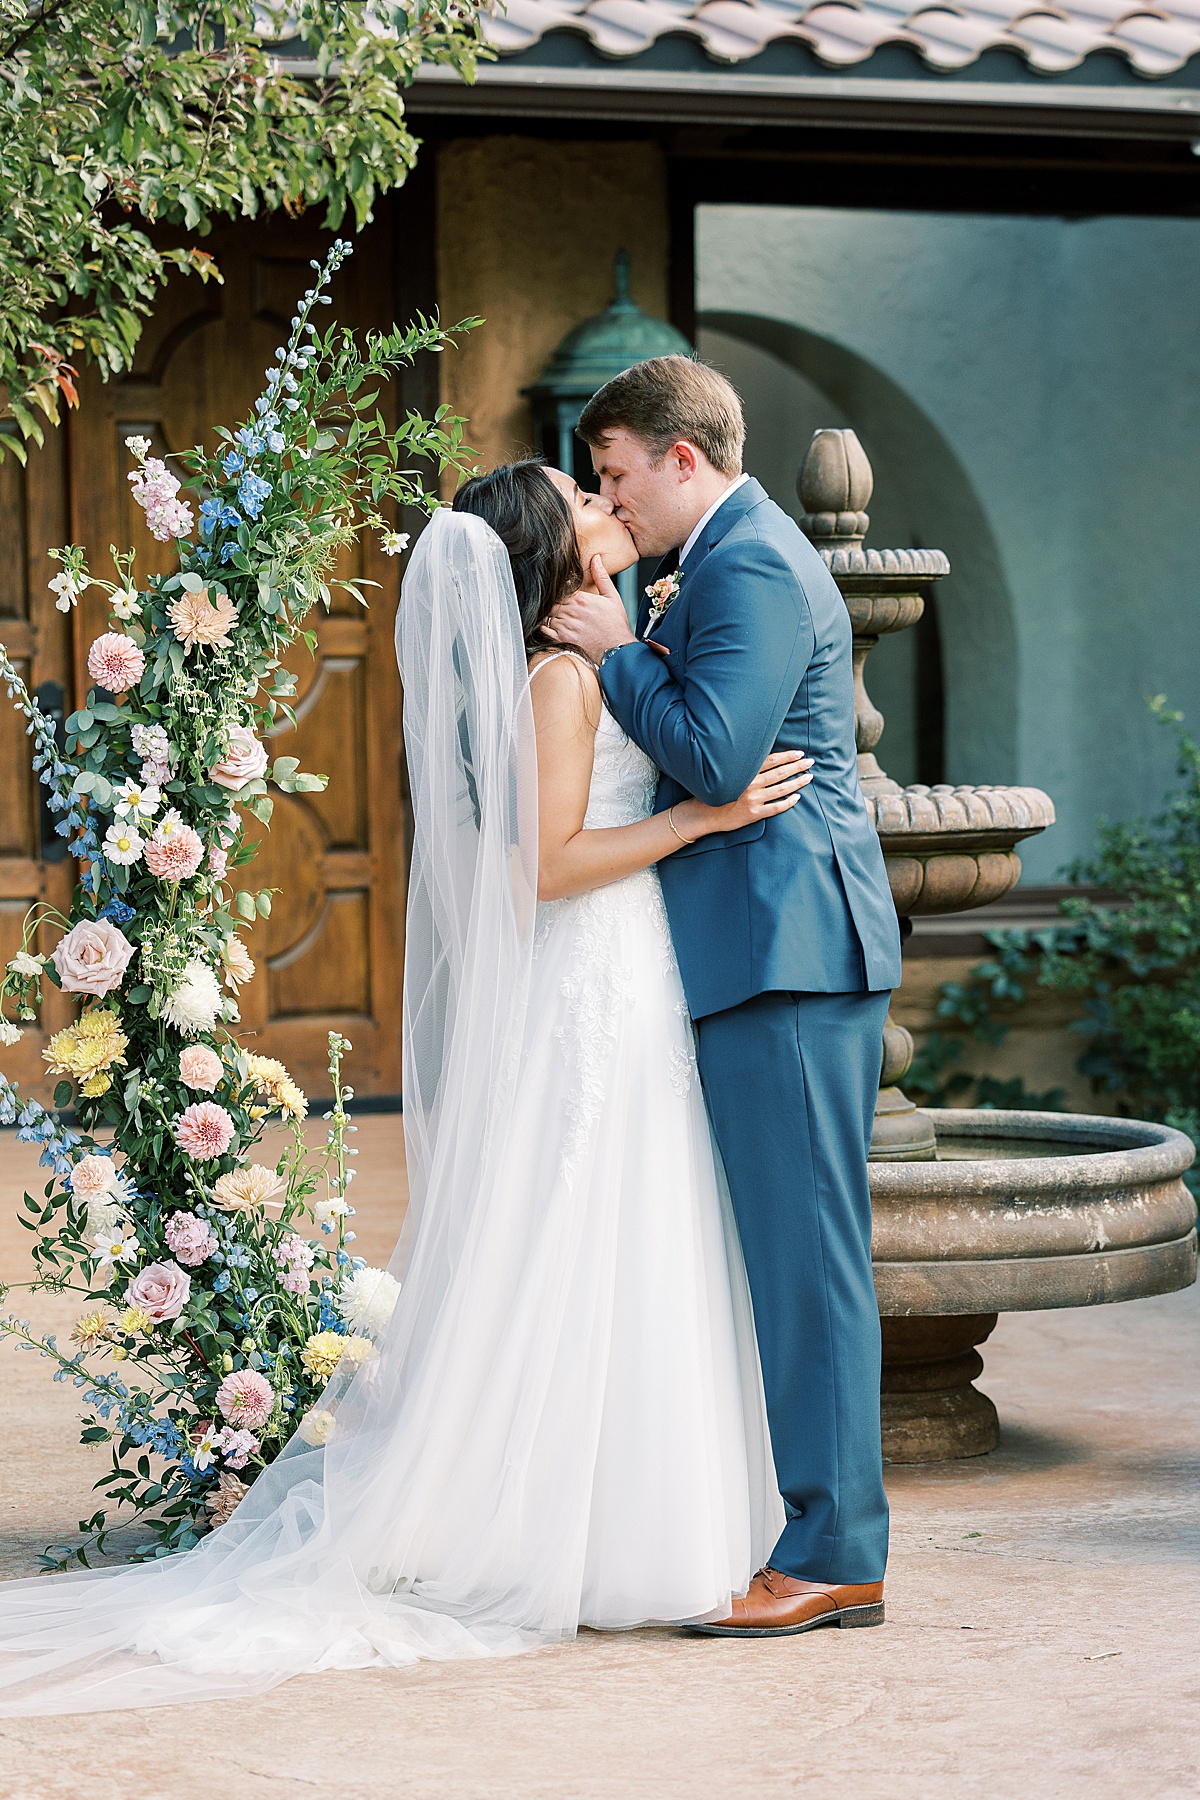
(527, 233)
(1026, 389)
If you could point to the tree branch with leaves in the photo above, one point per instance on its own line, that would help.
(118, 115)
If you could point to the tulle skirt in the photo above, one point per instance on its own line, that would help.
(566, 1425)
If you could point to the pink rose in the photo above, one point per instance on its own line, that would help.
(200, 1068)
(92, 958)
(245, 760)
(193, 1240)
(161, 1291)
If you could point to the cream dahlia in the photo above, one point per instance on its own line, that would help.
(243, 1189)
(239, 964)
(203, 618)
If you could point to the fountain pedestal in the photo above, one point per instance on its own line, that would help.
(975, 1213)
(929, 1408)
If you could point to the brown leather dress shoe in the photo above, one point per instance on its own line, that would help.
(780, 1605)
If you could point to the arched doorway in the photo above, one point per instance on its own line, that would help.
(964, 665)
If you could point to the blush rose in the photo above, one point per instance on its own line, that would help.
(92, 958)
(161, 1291)
(245, 760)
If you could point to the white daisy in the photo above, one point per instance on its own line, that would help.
(123, 844)
(204, 1448)
(112, 1247)
(135, 801)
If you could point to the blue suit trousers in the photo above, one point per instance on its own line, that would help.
(790, 1081)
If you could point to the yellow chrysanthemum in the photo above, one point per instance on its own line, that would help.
(270, 1077)
(325, 1349)
(134, 1320)
(95, 1085)
(91, 1330)
(86, 1049)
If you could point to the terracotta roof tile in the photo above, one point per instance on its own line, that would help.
(1156, 40)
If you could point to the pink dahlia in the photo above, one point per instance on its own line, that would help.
(204, 1131)
(174, 855)
(193, 1240)
(200, 1068)
(218, 862)
(246, 1398)
(115, 662)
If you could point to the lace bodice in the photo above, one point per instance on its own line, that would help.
(624, 780)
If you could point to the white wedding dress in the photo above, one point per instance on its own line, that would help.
(565, 1425)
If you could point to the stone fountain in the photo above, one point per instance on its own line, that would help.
(977, 1212)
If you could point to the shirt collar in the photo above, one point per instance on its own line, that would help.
(719, 501)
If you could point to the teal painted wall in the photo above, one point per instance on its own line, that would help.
(1028, 391)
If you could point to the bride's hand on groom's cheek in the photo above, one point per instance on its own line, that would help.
(593, 622)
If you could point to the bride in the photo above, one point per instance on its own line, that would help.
(565, 1425)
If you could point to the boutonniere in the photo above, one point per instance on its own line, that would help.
(660, 595)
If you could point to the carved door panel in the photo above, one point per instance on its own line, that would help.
(33, 861)
(330, 955)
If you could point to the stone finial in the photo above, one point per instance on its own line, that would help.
(834, 485)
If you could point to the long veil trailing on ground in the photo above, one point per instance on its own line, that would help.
(433, 1521)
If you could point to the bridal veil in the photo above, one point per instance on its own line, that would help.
(431, 1523)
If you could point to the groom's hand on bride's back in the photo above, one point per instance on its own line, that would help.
(592, 622)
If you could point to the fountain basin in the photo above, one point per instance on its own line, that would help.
(1020, 1211)
(1023, 1210)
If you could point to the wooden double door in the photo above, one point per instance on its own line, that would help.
(331, 954)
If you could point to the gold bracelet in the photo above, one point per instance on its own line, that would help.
(674, 826)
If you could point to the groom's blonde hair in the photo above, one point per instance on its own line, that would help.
(665, 399)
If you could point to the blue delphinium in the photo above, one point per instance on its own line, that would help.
(252, 491)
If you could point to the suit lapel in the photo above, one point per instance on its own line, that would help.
(667, 566)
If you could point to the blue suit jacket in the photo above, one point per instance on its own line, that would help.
(760, 660)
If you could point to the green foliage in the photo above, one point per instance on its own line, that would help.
(934, 1078)
(118, 113)
(1133, 957)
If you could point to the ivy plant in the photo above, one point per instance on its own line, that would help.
(1128, 945)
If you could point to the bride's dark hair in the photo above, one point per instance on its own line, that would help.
(533, 522)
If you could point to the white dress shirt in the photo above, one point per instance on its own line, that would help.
(719, 501)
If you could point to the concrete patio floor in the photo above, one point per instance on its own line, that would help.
(1042, 1637)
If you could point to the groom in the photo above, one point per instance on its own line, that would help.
(786, 937)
